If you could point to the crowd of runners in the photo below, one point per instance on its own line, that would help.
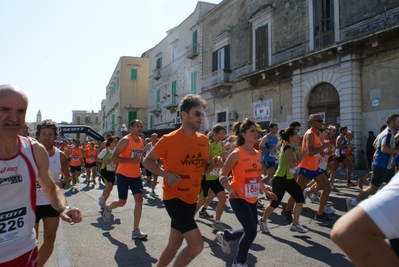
(197, 167)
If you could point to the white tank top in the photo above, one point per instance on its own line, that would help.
(55, 170)
(18, 202)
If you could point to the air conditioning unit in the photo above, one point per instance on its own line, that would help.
(232, 116)
(178, 120)
(174, 121)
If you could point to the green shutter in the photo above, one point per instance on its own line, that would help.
(132, 115)
(159, 63)
(151, 121)
(158, 98)
(133, 74)
(195, 41)
(194, 82)
(173, 92)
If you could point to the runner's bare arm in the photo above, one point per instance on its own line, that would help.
(53, 192)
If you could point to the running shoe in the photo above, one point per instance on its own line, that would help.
(224, 244)
(218, 226)
(314, 198)
(236, 264)
(259, 204)
(354, 176)
(137, 234)
(323, 217)
(101, 202)
(328, 209)
(349, 204)
(287, 215)
(263, 226)
(350, 184)
(205, 214)
(334, 189)
(360, 183)
(299, 228)
(107, 214)
(153, 194)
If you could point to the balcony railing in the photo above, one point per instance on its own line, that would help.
(217, 77)
(157, 74)
(192, 51)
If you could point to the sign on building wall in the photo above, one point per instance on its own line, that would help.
(262, 110)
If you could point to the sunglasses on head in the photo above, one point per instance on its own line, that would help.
(199, 114)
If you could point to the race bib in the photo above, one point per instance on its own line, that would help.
(215, 172)
(92, 160)
(75, 158)
(136, 153)
(251, 187)
(111, 166)
(13, 225)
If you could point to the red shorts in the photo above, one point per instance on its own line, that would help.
(29, 259)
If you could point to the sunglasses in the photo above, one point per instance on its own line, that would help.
(318, 121)
(199, 114)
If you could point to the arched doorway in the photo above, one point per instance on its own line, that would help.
(324, 98)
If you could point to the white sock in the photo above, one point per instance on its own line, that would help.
(216, 221)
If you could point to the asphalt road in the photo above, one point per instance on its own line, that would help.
(96, 243)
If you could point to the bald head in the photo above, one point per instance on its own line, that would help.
(12, 89)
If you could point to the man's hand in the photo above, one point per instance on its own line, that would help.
(72, 215)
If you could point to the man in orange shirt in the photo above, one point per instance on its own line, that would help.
(128, 155)
(185, 154)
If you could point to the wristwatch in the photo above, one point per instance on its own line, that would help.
(63, 208)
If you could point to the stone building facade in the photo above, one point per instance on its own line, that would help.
(126, 96)
(283, 60)
(175, 71)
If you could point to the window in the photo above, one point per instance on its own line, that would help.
(173, 93)
(221, 59)
(133, 74)
(323, 14)
(117, 82)
(194, 82)
(159, 63)
(87, 120)
(131, 115)
(261, 47)
(96, 119)
(174, 53)
(221, 116)
(158, 103)
(195, 44)
(77, 119)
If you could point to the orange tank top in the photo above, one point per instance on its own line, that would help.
(91, 156)
(76, 157)
(310, 162)
(131, 170)
(246, 175)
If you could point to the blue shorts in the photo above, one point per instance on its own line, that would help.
(270, 164)
(309, 174)
(396, 161)
(135, 184)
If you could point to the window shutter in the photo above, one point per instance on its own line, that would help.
(195, 41)
(227, 57)
(133, 74)
(214, 61)
(262, 45)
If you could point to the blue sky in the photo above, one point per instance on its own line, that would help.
(63, 53)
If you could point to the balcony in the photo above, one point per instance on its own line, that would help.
(157, 74)
(218, 83)
(172, 107)
(192, 51)
(156, 111)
